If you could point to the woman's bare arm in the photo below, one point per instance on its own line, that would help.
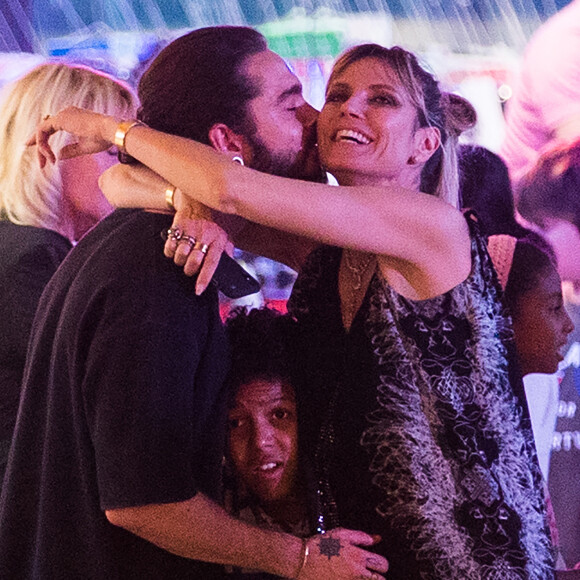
(123, 184)
(414, 232)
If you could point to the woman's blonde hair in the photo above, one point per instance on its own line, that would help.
(449, 113)
(30, 195)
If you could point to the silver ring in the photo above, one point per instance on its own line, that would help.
(174, 234)
(203, 248)
(188, 240)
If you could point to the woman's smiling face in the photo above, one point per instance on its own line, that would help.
(367, 130)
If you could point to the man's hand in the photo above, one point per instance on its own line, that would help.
(336, 555)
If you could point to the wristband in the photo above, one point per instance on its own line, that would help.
(303, 557)
(169, 195)
(121, 133)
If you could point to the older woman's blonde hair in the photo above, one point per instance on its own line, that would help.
(30, 195)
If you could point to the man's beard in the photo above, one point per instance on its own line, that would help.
(285, 164)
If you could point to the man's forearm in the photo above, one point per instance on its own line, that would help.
(201, 530)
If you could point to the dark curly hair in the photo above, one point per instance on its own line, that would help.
(550, 189)
(262, 343)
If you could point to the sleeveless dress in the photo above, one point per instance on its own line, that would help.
(416, 431)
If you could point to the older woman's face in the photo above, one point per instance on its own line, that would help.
(367, 127)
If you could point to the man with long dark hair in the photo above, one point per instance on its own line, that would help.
(114, 470)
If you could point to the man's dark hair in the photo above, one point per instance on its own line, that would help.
(262, 345)
(196, 82)
(550, 189)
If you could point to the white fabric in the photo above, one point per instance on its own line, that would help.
(543, 393)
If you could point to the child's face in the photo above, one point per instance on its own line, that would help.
(541, 325)
(263, 440)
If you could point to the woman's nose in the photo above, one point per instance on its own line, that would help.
(353, 106)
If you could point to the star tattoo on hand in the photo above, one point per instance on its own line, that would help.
(329, 546)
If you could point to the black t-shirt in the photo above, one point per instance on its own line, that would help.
(122, 406)
(28, 258)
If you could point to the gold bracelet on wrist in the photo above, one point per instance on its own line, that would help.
(303, 557)
(169, 195)
(121, 133)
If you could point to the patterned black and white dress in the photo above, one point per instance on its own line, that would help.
(419, 428)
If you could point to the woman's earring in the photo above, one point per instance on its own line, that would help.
(238, 159)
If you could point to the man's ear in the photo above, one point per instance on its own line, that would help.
(427, 141)
(225, 140)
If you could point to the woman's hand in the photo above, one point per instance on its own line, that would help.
(336, 555)
(194, 240)
(196, 243)
(95, 133)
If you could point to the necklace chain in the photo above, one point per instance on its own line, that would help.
(357, 265)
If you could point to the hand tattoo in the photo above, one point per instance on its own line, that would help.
(329, 546)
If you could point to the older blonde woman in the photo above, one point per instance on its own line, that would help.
(42, 211)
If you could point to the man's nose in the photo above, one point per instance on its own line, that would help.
(307, 115)
(568, 324)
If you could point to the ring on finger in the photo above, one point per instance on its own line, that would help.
(203, 248)
(188, 240)
(174, 234)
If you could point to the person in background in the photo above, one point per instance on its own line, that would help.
(528, 273)
(268, 485)
(115, 471)
(549, 201)
(545, 107)
(43, 211)
(485, 187)
(424, 439)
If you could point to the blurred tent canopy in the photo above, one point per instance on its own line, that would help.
(461, 25)
(474, 46)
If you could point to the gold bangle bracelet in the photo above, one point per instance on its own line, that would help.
(169, 195)
(303, 557)
(121, 133)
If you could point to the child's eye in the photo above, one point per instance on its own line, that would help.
(281, 414)
(234, 423)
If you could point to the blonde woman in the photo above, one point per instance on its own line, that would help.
(42, 211)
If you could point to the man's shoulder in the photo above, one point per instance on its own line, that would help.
(21, 239)
(120, 252)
